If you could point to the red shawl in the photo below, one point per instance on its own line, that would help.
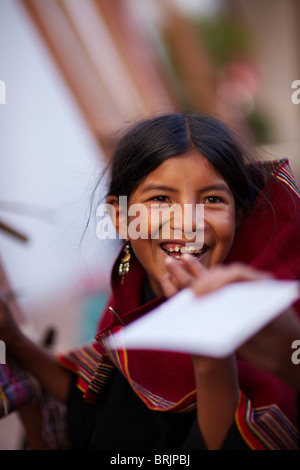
(267, 412)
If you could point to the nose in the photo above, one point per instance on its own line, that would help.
(193, 222)
(187, 222)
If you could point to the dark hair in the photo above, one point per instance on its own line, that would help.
(152, 141)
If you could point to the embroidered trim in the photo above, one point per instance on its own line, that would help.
(92, 368)
(284, 173)
(265, 428)
(151, 400)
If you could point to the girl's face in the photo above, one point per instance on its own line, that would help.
(188, 179)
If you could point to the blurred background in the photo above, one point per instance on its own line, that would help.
(72, 73)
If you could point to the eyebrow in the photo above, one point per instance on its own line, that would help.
(217, 187)
(158, 187)
(213, 187)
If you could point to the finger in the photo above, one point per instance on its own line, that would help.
(220, 276)
(179, 274)
(168, 286)
(194, 267)
(237, 272)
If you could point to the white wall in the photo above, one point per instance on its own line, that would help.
(47, 159)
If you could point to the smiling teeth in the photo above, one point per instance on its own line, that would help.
(184, 249)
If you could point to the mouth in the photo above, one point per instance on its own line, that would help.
(176, 249)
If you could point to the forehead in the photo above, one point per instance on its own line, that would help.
(192, 167)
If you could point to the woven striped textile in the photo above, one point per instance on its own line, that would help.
(92, 368)
(17, 388)
(265, 428)
(281, 170)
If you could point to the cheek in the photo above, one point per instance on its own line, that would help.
(147, 223)
(138, 225)
(224, 232)
(227, 233)
(224, 228)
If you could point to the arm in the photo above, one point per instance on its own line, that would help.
(216, 379)
(217, 397)
(32, 357)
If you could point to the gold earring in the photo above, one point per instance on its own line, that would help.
(124, 265)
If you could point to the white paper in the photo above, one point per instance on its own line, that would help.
(213, 325)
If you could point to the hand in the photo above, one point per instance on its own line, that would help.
(270, 349)
(180, 274)
(188, 272)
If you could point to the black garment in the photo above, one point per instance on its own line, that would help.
(121, 421)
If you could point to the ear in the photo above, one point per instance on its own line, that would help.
(118, 215)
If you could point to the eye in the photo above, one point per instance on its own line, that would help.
(212, 200)
(160, 199)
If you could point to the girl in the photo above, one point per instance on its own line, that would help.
(170, 401)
